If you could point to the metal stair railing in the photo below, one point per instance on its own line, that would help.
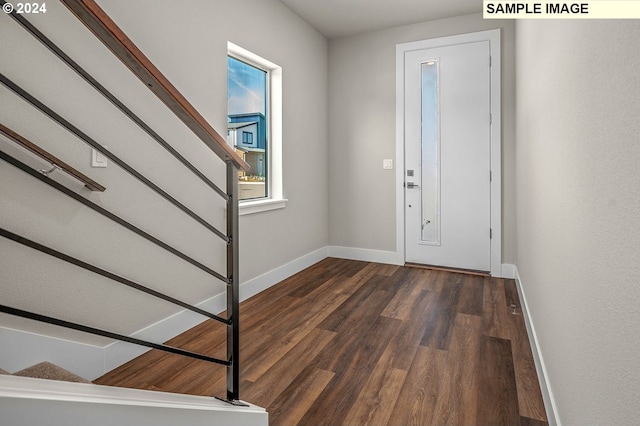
(96, 20)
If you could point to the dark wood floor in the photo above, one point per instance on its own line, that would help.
(356, 343)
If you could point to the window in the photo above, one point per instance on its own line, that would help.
(247, 97)
(247, 138)
(254, 101)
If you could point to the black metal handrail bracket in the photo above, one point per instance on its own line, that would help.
(98, 22)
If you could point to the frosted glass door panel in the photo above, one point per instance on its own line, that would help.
(430, 158)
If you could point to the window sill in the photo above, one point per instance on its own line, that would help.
(257, 206)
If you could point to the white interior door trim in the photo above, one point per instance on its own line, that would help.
(493, 36)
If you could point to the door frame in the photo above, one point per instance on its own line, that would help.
(493, 36)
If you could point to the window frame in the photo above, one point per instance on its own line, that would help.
(275, 193)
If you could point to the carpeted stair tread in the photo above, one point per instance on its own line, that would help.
(46, 370)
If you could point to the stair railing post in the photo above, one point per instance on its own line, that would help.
(233, 297)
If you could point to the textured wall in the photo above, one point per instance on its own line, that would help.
(578, 186)
(189, 45)
(362, 119)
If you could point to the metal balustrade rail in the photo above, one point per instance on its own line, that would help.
(96, 20)
(55, 161)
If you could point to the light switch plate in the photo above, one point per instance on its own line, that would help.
(387, 164)
(98, 159)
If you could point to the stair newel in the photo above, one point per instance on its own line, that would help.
(233, 286)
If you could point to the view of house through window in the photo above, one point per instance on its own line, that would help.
(247, 97)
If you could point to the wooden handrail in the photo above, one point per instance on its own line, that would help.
(47, 156)
(96, 19)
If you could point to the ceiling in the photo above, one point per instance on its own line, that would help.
(339, 18)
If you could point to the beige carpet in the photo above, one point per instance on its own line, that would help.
(46, 370)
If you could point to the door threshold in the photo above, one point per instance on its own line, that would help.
(448, 269)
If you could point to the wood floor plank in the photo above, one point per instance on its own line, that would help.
(278, 346)
(347, 285)
(405, 343)
(262, 315)
(312, 283)
(195, 378)
(299, 282)
(458, 395)
(270, 385)
(298, 397)
(352, 333)
(363, 302)
(288, 285)
(417, 399)
(126, 373)
(341, 284)
(441, 319)
(162, 373)
(495, 313)
(471, 296)
(377, 398)
(437, 279)
(206, 339)
(408, 289)
(497, 400)
(352, 364)
(303, 313)
(351, 267)
(387, 270)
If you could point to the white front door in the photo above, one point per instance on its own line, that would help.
(447, 138)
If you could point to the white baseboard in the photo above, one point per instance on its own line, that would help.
(367, 255)
(508, 270)
(547, 394)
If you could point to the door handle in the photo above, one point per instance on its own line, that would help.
(412, 185)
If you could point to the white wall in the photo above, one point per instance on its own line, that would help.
(189, 45)
(578, 203)
(362, 131)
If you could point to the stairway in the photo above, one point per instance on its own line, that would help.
(47, 370)
(65, 400)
